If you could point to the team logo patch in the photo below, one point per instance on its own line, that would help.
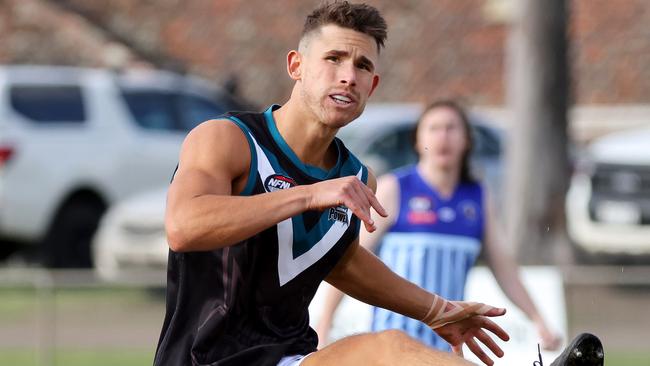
(469, 210)
(421, 211)
(339, 213)
(277, 181)
(446, 214)
(420, 203)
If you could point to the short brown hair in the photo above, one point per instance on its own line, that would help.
(359, 17)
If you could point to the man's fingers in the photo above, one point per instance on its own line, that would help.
(489, 343)
(360, 205)
(477, 308)
(494, 328)
(362, 197)
(362, 214)
(495, 312)
(474, 347)
(375, 203)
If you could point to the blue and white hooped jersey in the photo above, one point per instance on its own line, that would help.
(433, 243)
(248, 303)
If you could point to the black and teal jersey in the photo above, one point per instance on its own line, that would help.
(247, 304)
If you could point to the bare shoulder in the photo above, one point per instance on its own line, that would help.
(214, 133)
(214, 159)
(215, 147)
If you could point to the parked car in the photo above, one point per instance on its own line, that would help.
(608, 203)
(75, 140)
(132, 236)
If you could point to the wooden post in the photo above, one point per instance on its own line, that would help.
(537, 171)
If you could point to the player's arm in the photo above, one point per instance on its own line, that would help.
(363, 276)
(506, 273)
(203, 209)
(388, 195)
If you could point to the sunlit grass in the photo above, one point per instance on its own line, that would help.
(621, 358)
(95, 357)
(17, 303)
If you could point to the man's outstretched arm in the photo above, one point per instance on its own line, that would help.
(365, 277)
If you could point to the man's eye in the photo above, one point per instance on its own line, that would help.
(332, 58)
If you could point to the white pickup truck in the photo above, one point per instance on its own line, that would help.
(75, 140)
(608, 204)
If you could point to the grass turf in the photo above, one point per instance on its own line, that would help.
(71, 357)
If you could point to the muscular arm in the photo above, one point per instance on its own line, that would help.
(203, 214)
(363, 276)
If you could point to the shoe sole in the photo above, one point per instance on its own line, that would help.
(585, 350)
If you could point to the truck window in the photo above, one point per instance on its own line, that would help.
(48, 103)
(151, 110)
(194, 110)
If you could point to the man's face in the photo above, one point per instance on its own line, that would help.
(337, 74)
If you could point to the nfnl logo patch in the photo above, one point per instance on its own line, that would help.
(277, 181)
(339, 213)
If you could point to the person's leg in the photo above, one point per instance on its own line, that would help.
(387, 348)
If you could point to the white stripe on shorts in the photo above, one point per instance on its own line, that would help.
(294, 360)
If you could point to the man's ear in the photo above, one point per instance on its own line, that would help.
(294, 64)
(375, 82)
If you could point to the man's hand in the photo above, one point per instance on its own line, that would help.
(467, 331)
(349, 192)
(472, 327)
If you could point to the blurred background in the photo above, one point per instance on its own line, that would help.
(96, 97)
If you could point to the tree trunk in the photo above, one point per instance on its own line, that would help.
(537, 163)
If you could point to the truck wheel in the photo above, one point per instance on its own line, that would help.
(67, 244)
(7, 249)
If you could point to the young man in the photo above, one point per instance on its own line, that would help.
(264, 206)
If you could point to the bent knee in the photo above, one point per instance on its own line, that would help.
(393, 343)
(392, 337)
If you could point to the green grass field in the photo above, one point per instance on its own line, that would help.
(112, 357)
(108, 326)
(67, 357)
(114, 327)
(619, 358)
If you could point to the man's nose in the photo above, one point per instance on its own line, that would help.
(348, 75)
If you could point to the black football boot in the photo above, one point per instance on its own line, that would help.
(585, 350)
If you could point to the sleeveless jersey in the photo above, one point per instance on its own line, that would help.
(433, 243)
(247, 304)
